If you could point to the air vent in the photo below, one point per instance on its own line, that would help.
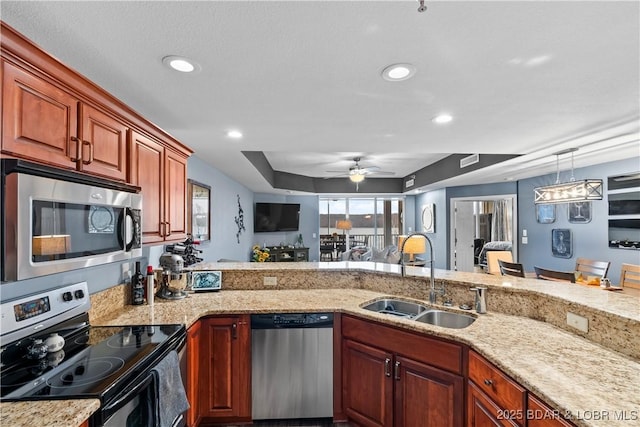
(410, 182)
(469, 160)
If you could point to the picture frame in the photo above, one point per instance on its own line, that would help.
(429, 218)
(204, 281)
(580, 212)
(545, 214)
(561, 243)
(199, 210)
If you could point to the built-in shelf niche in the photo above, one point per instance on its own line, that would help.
(624, 211)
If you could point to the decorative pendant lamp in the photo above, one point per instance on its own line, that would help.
(572, 191)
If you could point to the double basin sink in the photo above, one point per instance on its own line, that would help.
(420, 313)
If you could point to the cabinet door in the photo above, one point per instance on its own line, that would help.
(367, 384)
(104, 144)
(483, 412)
(39, 120)
(193, 372)
(225, 367)
(541, 415)
(175, 196)
(426, 396)
(147, 172)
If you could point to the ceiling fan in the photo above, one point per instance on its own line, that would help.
(357, 173)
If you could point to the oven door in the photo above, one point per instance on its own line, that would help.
(135, 407)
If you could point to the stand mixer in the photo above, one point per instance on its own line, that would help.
(173, 280)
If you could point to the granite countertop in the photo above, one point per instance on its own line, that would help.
(50, 413)
(574, 375)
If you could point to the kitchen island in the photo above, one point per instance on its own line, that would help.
(591, 376)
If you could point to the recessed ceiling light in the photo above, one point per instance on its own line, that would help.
(235, 134)
(398, 72)
(442, 118)
(180, 63)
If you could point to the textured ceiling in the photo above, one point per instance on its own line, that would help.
(302, 80)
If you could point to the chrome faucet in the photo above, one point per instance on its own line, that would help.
(432, 285)
(481, 299)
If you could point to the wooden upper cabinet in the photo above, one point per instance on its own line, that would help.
(39, 120)
(103, 144)
(162, 176)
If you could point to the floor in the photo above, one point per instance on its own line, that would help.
(321, 422)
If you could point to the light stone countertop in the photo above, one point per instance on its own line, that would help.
(50, 413)
(571, 373)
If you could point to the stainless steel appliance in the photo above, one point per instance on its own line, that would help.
(174, 279)
(112, 364)
(292, 365)
(55, 220)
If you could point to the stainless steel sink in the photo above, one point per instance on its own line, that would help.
(396, 307)
(445, 319)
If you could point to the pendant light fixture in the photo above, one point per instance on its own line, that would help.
(572, 191)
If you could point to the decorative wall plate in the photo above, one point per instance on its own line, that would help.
(428, 218)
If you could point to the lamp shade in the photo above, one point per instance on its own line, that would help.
(413, 245)
(356, 176)
(343, 224)
(573, 191)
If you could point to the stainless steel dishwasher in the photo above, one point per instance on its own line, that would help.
(292, 365)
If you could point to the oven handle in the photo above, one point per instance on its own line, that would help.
(128, 395)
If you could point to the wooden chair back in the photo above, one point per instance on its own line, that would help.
(589, 267)
(511, 268)
(558, 276)
(630, 276)
(492, 261)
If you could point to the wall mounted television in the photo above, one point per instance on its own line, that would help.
(276, 217)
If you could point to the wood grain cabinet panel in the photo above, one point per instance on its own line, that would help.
(225, 369)
(39, 120)
(193, 373)
(162, 176)
(103, 144)
(483, 412)
(539, 414)
(382, 386)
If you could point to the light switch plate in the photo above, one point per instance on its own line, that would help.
(578, 322)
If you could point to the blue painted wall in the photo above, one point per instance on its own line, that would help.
(439, 238)
(590, 240)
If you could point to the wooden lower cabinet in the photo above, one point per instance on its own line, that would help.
(483, 412)
(193, 373)
(384, 387)
(224, 388)
(541, 415)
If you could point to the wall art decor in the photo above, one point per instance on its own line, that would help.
(429, 218)
(561, 243)
(580, 212)
(239, 220)
(545, 214)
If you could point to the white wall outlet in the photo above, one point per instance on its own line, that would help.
(270, 281)
(313, 235)
(126, 271)
(578, 322)
(525, 240)
(524, 232)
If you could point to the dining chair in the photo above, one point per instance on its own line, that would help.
(589, 267)
(558, 276)
(492, 261)
(630, 276)
(511, 268)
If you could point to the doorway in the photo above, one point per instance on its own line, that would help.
(479, 220)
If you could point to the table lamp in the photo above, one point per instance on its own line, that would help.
(414, 245)
(343, 224)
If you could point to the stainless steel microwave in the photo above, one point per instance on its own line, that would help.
(55, 220)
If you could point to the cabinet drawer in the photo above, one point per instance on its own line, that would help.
(432, 351)
(541, 415)
(500, 388)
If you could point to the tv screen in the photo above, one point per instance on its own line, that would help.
(276, 217)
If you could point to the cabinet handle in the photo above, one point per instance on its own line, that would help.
(234, 331)
(167, 231)
(387, 367)
(78, 143)
(86, 162)
(488, 382)
(397, 371)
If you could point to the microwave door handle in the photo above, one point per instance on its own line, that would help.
(126, 229)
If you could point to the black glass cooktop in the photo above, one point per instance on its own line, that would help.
(94, 362)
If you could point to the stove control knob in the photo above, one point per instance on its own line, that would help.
(79, 294)
(67, 296)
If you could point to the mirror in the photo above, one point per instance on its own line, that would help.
(199, 210)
